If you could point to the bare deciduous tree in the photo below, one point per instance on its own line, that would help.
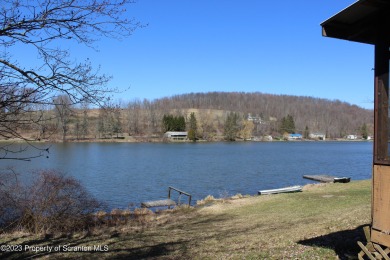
(85, 122)
(40, 26)
(133, 117)
(63, 112)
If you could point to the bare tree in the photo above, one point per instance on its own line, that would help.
(41, 26)
(85, 122)
(63, 111)
(116, 120)
(103, 122)
(133, 117)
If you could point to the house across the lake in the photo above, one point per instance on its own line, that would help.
(255, 119)
(318, 136)
(176, 136)
(294, 137)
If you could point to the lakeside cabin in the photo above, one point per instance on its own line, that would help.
(176, 136)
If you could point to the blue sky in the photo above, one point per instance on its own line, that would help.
(208, 45)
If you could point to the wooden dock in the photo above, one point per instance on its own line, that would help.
(167, 202)
(158, 203)
(327, 178)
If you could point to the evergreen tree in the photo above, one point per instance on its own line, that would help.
(192, 131)
(306, 133)
(287, 125)
(231, 127)
(171, 123)
(167, 123)
(181, 123)
(364, 131)
(283, 126)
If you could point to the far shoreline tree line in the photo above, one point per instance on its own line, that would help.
(66, 123)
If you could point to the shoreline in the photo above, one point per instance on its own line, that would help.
(296, 226)
(160, 140)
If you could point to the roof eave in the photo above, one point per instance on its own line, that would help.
(363, 21)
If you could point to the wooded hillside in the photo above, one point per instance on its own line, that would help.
(256, 115)
(331, 117)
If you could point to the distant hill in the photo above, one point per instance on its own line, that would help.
(142, 120)
(333, 117)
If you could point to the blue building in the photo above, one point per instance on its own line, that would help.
(294, 137)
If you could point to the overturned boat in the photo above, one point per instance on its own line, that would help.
(281, 190)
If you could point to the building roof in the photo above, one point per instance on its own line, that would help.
(176, 133)
(365, 21)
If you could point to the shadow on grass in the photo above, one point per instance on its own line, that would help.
(26, 249)
(153, 251)
(344, 242)
(151, 243)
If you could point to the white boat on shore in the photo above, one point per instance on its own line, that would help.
(281, 190)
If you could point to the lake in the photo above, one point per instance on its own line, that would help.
(129, 173)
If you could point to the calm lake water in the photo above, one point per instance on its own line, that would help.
(124, 173)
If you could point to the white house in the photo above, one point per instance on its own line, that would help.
(176, 136)
(318, 136)
(255, 119)
(351, 137)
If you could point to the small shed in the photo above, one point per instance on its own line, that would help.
(368, 21)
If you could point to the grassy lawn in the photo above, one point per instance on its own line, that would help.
(322, 222)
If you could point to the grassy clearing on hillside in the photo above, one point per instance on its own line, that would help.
(322, 222)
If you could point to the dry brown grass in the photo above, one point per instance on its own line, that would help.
(322, 222)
